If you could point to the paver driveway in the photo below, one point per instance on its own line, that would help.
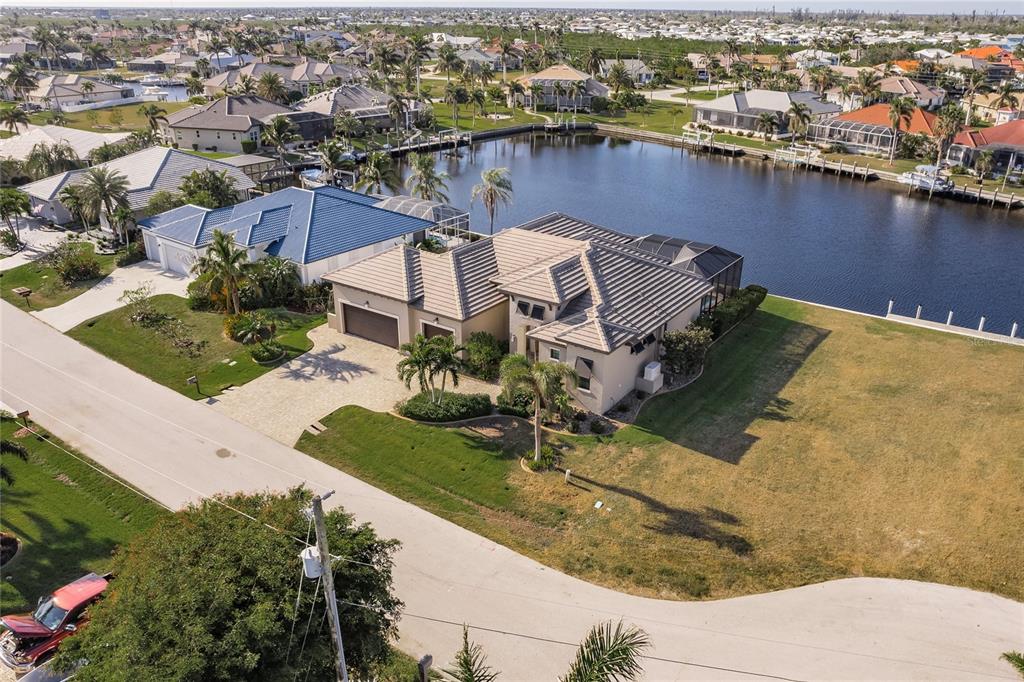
(340, 370)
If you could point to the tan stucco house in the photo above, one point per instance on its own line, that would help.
(557, 289)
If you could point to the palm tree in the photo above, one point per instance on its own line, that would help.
(494, 188)
(576, 90)
(618, 77)
(397, 109)
(1006, 98)
(14, 204)
(271, 86)
(448, 61)
(424, 181)
(868, 85)
(96, 53)
(767, 123)
(417, 50)
(593, 60)
(45, 160)
(103, 190)
(543, 380)
(471, 663)
(88, 88)
(153, 115)
(20, 79)
(1016, 659)
(417, 363)
(13, 117)
(478, 98)
(332, 159)
(536, 95)
(515, 91)
(194, 86)
(983, 165)
(227, 266)
(245, 85)
(974, 84)
(506, 48)
(799, 115)
(446, 361)
(347, 124)
(377, 173)
(609, 652)
(9, 447)
(947, 124)
(453, 94)
(71, 198)
(900, 111)
(279, 134)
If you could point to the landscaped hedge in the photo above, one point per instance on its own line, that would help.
(453, 407)
(734, 309)
(519, 405)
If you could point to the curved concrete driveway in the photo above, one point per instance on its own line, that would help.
(103, 296)
(339, 370)
(527, 616)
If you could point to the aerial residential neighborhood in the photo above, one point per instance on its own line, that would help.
(519, 343)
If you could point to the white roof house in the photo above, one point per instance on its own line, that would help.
(147, 172)
(81, 141)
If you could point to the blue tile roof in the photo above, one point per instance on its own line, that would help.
(301, 225)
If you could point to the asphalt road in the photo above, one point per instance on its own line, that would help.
(527, 616)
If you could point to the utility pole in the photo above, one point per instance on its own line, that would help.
(328, 578)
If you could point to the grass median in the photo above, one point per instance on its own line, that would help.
(817, 445)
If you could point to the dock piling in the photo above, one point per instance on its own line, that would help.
(889, 311)
(949, 318)
(981, 325)
(918, 315)
(1013, 331)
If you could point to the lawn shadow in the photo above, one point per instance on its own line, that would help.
(324, 364)
(698, 524)
(743, 378)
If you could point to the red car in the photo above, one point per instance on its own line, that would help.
(32, 638)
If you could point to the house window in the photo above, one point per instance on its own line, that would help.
(583, 383)
(584, 370)
(555, 354)
(537, 312)
(523, 307)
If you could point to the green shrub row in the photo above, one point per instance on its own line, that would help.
(452, 407)
(733, 310)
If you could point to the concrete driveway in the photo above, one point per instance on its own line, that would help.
(37, 242)
(340, 370)
(103, 296)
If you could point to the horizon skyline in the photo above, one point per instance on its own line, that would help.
(907, 7)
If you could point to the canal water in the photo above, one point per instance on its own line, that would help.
(816, 237)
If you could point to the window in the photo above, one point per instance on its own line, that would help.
(523, 307)
(584, 370)
(537, 312)
(583, 383)
(555, 354)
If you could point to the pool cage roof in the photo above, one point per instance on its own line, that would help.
(852, 127)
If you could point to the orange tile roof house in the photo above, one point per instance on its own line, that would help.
(1006, 142)
(984, 52)
(869, 129)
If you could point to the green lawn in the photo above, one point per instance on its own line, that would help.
(443, 116)
(662, 117)
(898, 166)
(704, 95)
(68, 516)
(47, 289)
(130, 113)
(817, 445)
(210, 155)
(150, 354)
(752, 142)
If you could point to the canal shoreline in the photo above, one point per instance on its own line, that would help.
(1005, 201)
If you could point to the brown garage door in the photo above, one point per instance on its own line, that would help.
(430, 331)
(371, 325)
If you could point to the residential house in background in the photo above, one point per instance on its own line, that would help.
(81, 141)
(57, 91)
(564, 75)
(869, 130)
(636, 68)
(297, 78)
(741, 110)
(557, 289)
(475, 58)
(1005, 141)
(364, 103)
(924, 96)
(810, 58)
(147, 172)
(984, 107)
(319, 230)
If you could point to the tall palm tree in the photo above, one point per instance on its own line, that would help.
(494, 189)
(446, 361)
(103, 190)
(900, 111)
(618, 77)
(1007, 98)
(448, 61)
(96, 53)
(506, 49)
(424, 181)
(228, 267)
(417, 363)
(347, 124)
(983, 164)
(71, 198)
(246, 85)
(20, 79)
(153, 115)
(545, 381)
(947, 124)
(13, 117)
(576, 90)
(378, 172)
(194, 86)
(397, 109)
(271, 86)
(593, 60)
(417, 50)
(45, 160)
(87, 89)
(536, 95)
(974, 83)
(515, 91)
(14, 204)
(799, 115)
(478, 98)
(868, 86)
(279, 133)
(453, 95)
(332, 159)
(767, 123)
(9, 447)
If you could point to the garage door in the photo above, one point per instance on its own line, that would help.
(371, 325)
(430, 331)
(179, 259)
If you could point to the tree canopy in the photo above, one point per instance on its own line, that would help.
(208, 594)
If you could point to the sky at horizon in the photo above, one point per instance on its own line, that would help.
(904, 6)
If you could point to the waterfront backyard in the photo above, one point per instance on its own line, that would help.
(817, 445)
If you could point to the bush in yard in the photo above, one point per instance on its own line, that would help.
(548, 459)
(9, 241)
(520, 404)
(598, 426)
(210, 594)
(483, 355)
(135, 253)
(683, 351)
(453, 407)
(267, 351)
(139, 304)
(199, 293)
(72, 262)
(248, 146)
(315, 298)
(733, 310)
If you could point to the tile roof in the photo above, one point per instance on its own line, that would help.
(234, 112)
(903, 86)
(147, 172)
(82, 141)
(983, 52)
(301, 225)
(352, 97)
(755, 101)
(610, 290)
(70, 85)
(921, 121)
(1008, 134)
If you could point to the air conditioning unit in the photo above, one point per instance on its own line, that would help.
(652, 370)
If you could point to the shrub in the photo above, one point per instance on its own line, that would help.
(519, 404)
(135, 253)
(483, 355)
(453, 407)
(574, 426)
(248, 146)
(683, 351)
(547, 460)
(266, 352)
(72, 262)
(9, 240)
(233, 324)
(139, 304)
(599, 104)
(199, 293)
(733, 310)
(598, 426)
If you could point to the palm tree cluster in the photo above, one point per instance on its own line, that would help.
(228, 268)
(427, 359)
